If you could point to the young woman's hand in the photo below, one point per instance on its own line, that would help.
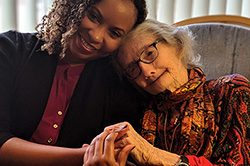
(102, 151)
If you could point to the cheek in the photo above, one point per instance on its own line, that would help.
(161, 63)
(86, 23)
(110, 45)
(141, 82)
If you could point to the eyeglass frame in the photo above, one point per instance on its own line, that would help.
(140, 59)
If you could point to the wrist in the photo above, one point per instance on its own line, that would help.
(160, 157)
(183, 161)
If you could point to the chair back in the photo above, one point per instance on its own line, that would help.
(223, 42)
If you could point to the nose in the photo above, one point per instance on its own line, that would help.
(148, 70)
(97, 34)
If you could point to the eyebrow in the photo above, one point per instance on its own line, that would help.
(145, 47)
(102, 18)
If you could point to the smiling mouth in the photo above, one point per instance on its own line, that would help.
(86, 45)
(151, 83)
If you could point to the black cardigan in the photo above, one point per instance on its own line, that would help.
(26, 75)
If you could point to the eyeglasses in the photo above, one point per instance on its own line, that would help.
(148, 55)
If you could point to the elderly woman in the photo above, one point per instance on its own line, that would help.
(189, 120)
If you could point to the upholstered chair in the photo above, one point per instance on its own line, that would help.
(223, 43)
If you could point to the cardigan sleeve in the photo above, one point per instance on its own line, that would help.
(15, 49)
(7, 49)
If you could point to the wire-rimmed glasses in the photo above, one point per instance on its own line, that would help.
(148, 55)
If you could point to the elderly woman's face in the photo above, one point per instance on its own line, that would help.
(102, 29)
(151, 64)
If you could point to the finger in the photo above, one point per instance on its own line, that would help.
(99, 143)
(123, 155)
(86, 156)
(122, 133)
(109, 145)
(91, 152)
(120, 128)
(116, 126)
(121, 143)
(84, 148)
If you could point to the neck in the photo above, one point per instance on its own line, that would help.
(180, 80)
(73, 62)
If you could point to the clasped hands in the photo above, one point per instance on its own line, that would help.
(113, 146)
(116, 142)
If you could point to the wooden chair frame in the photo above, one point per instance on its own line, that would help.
(227, 19)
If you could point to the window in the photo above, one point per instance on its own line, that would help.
(22, 15)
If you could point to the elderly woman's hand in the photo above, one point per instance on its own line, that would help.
(144, 153)
(102, 151)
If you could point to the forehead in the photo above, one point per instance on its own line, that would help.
(138, 44)
(132, 47)
(118, 13)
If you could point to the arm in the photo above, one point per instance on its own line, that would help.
(16, 151)
(233, 143)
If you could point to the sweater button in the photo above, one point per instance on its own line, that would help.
(59, 113)
(50, 140)
(55, 126)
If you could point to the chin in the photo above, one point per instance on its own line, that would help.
(153, 91)
(156, 88)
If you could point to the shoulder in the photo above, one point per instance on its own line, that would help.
(228, 88)
(15, 40)
(233, 81)
(13, 43)
(17, 36)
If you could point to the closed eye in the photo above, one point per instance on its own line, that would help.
(115, 33)
(94, 15)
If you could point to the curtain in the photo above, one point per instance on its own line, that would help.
(171, 11)
(23, 15)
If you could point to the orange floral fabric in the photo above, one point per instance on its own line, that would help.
(203, 118)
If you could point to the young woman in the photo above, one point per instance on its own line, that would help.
(189, 120)
(58, 89)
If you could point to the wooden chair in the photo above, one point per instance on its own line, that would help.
(227, 19)
(223, 41)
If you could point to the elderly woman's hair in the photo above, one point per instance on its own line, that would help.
(64, 19)
(179, 37)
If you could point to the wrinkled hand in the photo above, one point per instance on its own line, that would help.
(143, 149)
(102, 151)
(144, 153)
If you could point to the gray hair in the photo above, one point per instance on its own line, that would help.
(179, 37)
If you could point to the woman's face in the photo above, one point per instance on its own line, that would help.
(166, 72)
(101, 30)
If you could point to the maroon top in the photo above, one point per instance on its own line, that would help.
(64, 82)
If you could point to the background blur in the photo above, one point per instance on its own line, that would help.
(23, 15)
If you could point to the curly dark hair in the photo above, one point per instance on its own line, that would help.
(64, 19)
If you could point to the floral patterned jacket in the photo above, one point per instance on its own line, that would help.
(207, 121)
